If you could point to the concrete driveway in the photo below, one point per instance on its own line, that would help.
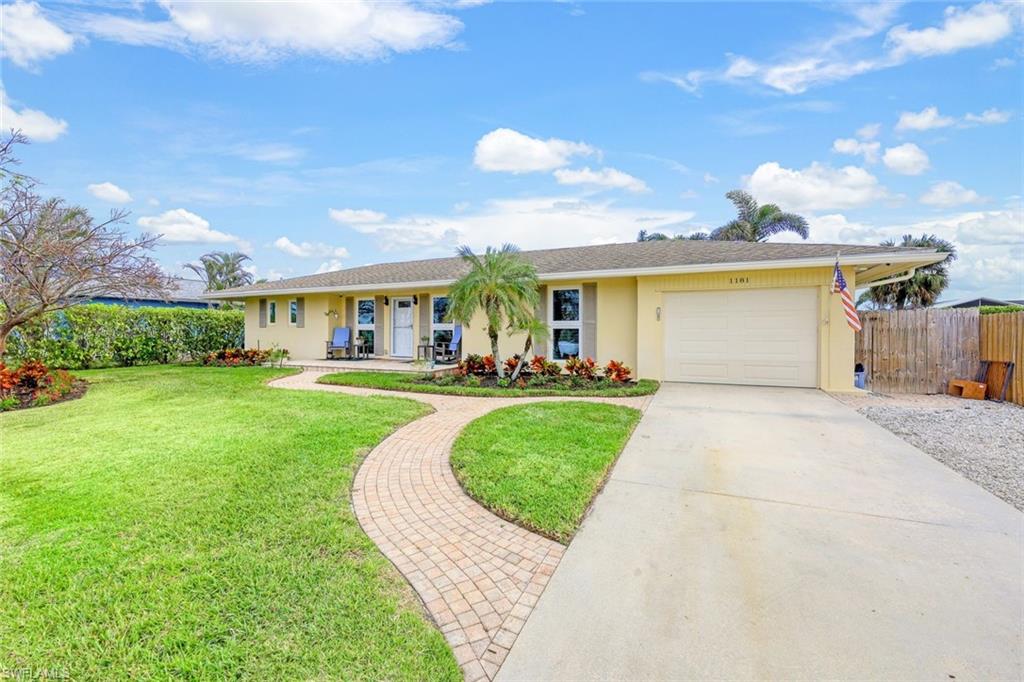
(775, 533)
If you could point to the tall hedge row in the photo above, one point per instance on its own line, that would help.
(99, 335)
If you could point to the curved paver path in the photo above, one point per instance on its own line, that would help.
(478, 575)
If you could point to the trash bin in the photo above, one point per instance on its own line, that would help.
(858, 375)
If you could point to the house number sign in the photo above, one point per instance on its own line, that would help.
(739, 280)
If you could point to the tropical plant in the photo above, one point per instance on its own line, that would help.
(617, 372)
(501, 284)
(584, 368)
(222, 270)
(926, 284)
(535, 330)
(645, 236)
(756, 223)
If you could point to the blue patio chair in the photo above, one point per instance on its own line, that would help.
(341, 340)
(448, 351)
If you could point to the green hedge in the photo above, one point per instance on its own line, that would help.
(99, 335)
(995, 309)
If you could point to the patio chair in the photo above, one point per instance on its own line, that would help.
(448, 351)
(340, 341)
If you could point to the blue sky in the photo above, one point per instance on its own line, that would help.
(323, 136)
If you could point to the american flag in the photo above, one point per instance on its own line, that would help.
(849, 307)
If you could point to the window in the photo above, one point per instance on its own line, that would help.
(443, 329)
(365, 317)
(272, 312)
(293, 312)
(565, 323)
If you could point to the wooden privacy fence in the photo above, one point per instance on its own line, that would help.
(919, 351)
(1002, 338)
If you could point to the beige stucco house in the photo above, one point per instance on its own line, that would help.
(679, 310)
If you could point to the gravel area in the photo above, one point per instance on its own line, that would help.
(982, 440)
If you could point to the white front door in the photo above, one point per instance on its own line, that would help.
(401, 327)
(765, 337)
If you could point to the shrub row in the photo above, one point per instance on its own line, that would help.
(582, 368)
(99, 335)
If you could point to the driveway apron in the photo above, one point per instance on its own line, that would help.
(762, 533)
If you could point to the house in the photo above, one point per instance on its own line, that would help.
(978, 301)
(675, 310)
(186, 293)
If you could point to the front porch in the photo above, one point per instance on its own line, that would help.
(375, 364)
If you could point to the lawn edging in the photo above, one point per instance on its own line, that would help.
(408, 383)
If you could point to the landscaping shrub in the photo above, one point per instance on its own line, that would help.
(511, 363)
(33, 384)
(617, 372)
(473, 381)
(233, 357)
(995, 309)
(584, 368)
(471, 364)
(99, 335)
(490, 367)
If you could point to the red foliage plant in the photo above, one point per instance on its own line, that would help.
(471, 364)
(617, 372)
(584, 368)
(489, 365)
(8, 379)
(511, 363)
(233, 357)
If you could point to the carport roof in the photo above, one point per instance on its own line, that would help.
(604, 260)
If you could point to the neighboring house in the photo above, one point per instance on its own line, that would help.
(977, 302)
(186, 293)
(676, 310)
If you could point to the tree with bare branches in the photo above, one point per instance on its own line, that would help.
(53, 256)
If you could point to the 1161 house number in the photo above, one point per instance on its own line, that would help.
(739, 280)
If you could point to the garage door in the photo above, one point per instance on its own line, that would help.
(766, 337)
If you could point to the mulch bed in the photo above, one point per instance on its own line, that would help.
(561, 383)
(27, 396)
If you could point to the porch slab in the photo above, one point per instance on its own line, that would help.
(367, 365)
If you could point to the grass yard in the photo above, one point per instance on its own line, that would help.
(396, 381)
(540, 464)
(189, 522)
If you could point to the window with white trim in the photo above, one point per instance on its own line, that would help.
(365, 318)
(272, 312)
(443, 329)
(293, 312)
(566, 325)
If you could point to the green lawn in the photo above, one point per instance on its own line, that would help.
(396, 381)
(540, 464)
(187, 522)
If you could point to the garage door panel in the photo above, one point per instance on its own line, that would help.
(759, 336)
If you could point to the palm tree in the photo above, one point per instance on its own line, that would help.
(756, 223)
(501, 284)
(222, 270)
(645, 236)
(921, 290)
(535, 330)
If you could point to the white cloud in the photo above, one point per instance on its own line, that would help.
(509, 150)
(989, 117)
(710, 179)
(1004, 227)
(869, 131)
(1002, 63)
(949, 193)
(608, 178)
(180, 225)
(355, 216)
(926, 119)
(36, 125)
(816, 187)
(274, 152)
(531, 223)
(906, 159)
(329, 266)
(855, 147)
(108, 191)
(310, 249)
(27, 37)
(983, 24)
(829, 60)
(262, 32)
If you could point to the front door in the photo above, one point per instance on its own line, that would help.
(401, 328)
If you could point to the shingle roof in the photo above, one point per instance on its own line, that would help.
(604, 257)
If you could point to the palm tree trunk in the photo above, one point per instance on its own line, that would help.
(522, 358)
(493, 333)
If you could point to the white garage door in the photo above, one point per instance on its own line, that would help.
(767, 337)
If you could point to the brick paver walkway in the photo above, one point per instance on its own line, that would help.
(478, 575)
